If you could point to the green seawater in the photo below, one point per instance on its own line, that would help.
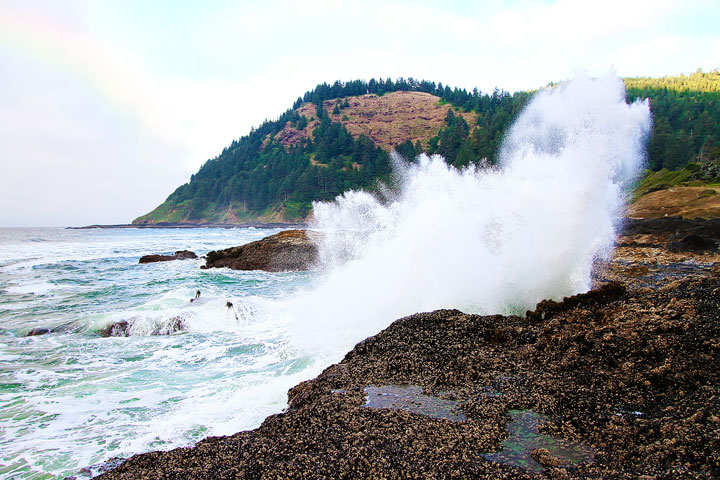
(71, 398)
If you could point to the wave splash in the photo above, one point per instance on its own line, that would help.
(485, 240)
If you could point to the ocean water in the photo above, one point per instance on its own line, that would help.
(72, 398)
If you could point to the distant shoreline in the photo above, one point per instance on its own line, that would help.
(195, 225)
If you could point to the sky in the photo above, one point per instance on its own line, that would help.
(107, 106)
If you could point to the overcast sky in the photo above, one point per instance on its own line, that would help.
(107, 106)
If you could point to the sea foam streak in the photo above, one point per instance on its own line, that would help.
(482, 240)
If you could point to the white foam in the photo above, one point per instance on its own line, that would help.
(35, 288)
(481, 240)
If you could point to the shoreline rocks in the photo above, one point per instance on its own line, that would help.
(289, 250)
(179, 255)
(626, 376)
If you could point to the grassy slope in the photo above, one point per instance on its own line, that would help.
(682, 193)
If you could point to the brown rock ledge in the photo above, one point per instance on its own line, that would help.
(288, 250)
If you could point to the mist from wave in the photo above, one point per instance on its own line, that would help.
(482, 239)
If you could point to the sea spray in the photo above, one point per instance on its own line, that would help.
(485, 240)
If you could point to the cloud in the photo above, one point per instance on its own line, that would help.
(67, 159)
(160, 87)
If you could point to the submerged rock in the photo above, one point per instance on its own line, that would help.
(531, 450)
(290, 250)
(123, 328)
(37, 331)
(545, 458)
(179, 255)
(411, 399)
(116, 329)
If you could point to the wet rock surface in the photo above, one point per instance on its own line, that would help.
(531, 450)
(290, 250)
(411, 399)
(692, 243)
(627, 377)
(179, 255)
(672, 226)
(38, 331)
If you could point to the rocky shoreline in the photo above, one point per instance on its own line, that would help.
(620, 382)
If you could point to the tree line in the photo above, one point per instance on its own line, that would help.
(256, 176)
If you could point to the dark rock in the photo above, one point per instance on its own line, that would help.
(37, 331)
(290, 250)
(179, 255)
(672, 226)
(116, 329)
(692, 243)
(606, 293)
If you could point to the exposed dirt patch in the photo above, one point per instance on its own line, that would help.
(388, 120)
(290, 135)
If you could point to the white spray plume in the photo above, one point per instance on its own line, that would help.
(481, 240)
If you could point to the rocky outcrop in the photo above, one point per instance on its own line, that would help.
(290, 250)
(179, 255)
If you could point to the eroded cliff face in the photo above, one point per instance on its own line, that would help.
(620, 382)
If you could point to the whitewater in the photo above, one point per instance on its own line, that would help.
(486, 239)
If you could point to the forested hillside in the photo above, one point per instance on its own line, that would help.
(338, 137)
(686, 117)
